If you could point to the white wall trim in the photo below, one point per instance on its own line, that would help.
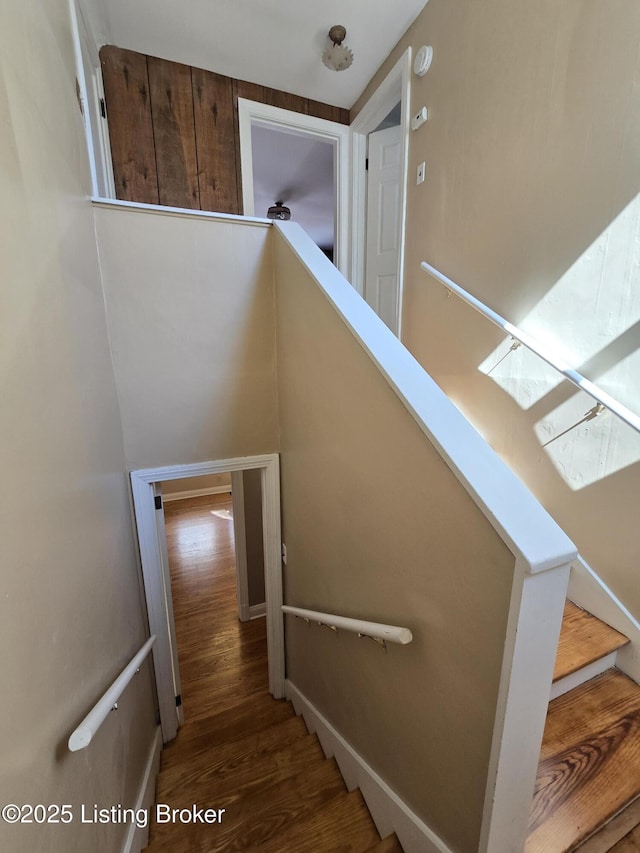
(138, 837)
(257, 611)
(195, 493)
(395, 87)
(182, 212)
(252, 112)
(389, 812)
(142, 484)
(588, 590)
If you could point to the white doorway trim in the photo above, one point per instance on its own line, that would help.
(395, 87)
(158, 594)
(91, 89)
(252, 112)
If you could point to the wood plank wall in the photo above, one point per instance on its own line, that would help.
(174, 129)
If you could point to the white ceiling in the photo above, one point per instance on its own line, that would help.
(277, 43)
(297, 170)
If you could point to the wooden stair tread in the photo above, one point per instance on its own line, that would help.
(390, 844)
(228, 726)
(629, 844)
(583, 639)
(258, 817)
(234, 768)
(344, 825)
(239, 749)
(606, 838)
(589, 764)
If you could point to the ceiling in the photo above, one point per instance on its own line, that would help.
(277, 43)
(297, 170)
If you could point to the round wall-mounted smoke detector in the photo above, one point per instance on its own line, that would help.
(423, 60)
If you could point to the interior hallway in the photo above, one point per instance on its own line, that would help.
(223, 662)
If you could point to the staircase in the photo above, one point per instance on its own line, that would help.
(587, 794)
(257, 761)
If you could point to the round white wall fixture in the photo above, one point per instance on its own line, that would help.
(423, 60)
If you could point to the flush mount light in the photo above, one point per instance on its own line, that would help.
(338, 57)
(279, 211)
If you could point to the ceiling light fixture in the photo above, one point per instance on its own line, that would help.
(338, 57)
(279, 211)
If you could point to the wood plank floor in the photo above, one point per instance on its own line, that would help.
(239, 749)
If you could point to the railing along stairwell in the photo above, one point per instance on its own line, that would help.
(587, 792)
(394, 504)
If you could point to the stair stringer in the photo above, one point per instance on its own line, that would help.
(389, 812)
(588, 590)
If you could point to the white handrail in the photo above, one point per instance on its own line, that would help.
(578, 379)
(82, 736)
(375, 630)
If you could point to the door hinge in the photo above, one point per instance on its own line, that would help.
(103, 108)
(366, 165)
(178, 700)
(158, 501)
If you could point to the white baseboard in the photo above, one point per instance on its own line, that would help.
(195, 493)
(389, 812)
(587, 590)
(258, 610)
(138, 837)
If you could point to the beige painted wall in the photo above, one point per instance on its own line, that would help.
(70, 610)
(191, 322)
(531, 202)
(372, 520)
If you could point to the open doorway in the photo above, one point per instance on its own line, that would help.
(148, 507)
(220, 660)
(305, 161)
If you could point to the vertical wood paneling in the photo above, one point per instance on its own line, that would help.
(126, 89)
(174, 129)
(173, 132)
(236, 130)
(215, 135)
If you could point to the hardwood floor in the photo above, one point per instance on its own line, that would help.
(239, 749)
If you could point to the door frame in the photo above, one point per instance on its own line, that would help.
(252, 112)
(395, 87)
(158, 592)
(91, 91)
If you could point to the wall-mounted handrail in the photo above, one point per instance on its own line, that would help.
(374, 630)
(82, 736)
(573, 376)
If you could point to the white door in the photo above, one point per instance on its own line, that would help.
(381, 288)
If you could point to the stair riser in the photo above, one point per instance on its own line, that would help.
(564, 685)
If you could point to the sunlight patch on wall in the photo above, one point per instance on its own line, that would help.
(592, 305)
(584, 448)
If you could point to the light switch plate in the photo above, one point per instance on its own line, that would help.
(421, 173)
